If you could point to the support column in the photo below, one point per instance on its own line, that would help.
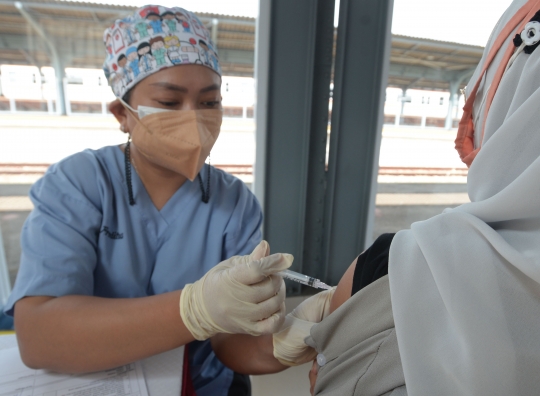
(12, 105)
(360, 81)
(215, 23)
(452, 103)
(456, 114)
(401, 106)
(66, 102)
(293, 93)
(53, 54)
(5, 284)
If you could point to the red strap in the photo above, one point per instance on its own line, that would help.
(465, 136)
(187, 383)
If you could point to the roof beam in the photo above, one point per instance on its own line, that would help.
(71, 7)
(440, 44)
(57, 63)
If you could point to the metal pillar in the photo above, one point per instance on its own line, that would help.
(401, 107)
(457, 105)
(5, 284)
(53, 53)
(454, 97)
(293, 90)
(215, 23)
(324, 218)
(452, 103)
(361, 71)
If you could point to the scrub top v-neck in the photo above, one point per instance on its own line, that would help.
(84, 238)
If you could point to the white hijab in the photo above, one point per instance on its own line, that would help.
(465, 285)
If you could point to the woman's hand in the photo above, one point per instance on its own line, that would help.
(313, 377)
(241, 295)
(289, 346)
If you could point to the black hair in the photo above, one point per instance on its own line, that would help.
(152, 14)
(127, 96)
(143, 45)
(167, 13)
(122, 56)
(203, 42)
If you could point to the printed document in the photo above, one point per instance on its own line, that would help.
(18, 380)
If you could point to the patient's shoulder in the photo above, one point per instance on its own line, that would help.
(344, 288)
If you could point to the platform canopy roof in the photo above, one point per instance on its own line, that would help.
(76, 30)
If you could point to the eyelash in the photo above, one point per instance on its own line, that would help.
(212, 103)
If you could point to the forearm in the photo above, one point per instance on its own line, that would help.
(246, 354)
(82, 333)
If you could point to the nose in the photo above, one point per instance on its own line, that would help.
(189, 104)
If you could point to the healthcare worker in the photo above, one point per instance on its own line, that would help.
(116, 233)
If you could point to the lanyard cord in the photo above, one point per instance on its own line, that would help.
(127, 164)
(205, 194)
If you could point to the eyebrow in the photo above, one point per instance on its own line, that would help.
(178, 88)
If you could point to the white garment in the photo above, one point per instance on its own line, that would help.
(465, 285)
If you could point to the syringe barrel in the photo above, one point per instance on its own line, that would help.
(298, 277)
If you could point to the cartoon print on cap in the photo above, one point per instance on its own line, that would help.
(133, 59)
(122, 63)
(170, 21)
(108, 45)
(129, 34)
(118, 41)
(154, 20)
(146, 60)
(199, 29)
(157, 46)
(172, 43)
(142, 29)
(116, 81)
(152, 38)
(191, 50)
(184, 21)
(205, 55)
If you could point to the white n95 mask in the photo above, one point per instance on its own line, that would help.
(178, 140)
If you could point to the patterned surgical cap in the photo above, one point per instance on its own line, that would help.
(154, 38)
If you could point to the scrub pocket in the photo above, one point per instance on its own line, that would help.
(358, 346)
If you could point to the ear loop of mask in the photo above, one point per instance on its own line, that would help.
(127, 157)
(127, 162)
(205, 194)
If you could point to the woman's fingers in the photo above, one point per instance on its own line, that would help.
(313, 377)
(268, 307)
(251, 272)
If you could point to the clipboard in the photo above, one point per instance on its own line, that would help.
(166, 374)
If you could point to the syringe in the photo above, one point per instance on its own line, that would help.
(304, 279)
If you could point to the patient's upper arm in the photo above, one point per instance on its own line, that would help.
(344, 288)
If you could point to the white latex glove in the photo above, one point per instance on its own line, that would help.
(289, 346)
(240, 295)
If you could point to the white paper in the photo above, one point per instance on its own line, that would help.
(18, 380)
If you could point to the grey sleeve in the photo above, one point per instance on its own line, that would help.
(358, 342)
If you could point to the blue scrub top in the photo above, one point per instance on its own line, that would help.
(84, 238)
